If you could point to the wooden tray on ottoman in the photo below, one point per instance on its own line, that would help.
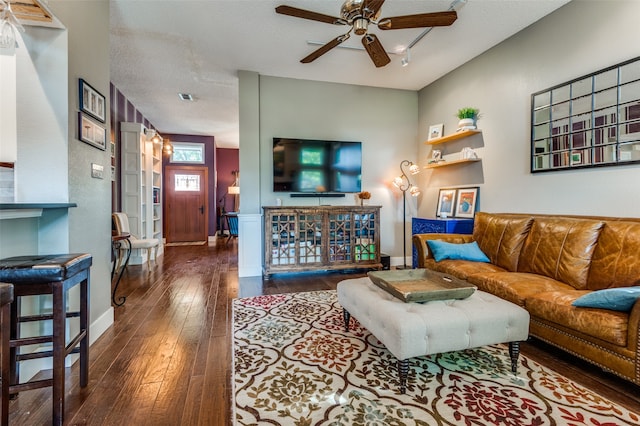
(421, 285)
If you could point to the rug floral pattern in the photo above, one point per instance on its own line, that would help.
(295, 365)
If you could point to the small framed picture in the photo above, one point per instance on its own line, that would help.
(435, 131)
(446, 201)
(92, 102)
(466, 202)
(576, 158)
(91, 132)
(436, 155)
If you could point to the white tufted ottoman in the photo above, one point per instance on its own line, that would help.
(416, 329)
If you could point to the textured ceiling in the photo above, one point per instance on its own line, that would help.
(162, 47)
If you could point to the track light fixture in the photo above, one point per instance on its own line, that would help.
(407, 57)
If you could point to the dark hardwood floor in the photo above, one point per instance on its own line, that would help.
(167, 360)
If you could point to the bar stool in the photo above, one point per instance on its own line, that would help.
(55, 275)
(6, 297)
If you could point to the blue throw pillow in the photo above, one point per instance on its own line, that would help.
(442, 250)
(615, 299)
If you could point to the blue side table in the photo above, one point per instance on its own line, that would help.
(439, 226)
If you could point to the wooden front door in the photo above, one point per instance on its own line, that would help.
(186, 208)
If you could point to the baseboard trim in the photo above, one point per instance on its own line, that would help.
(100, 325)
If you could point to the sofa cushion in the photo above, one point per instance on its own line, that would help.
(615, 261)
(560, 248)
(615, 299)
(516, 287)
(556, 307)
(461, 268)
(501, 236)
(442, 250)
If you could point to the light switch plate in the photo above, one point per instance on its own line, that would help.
(97, 171)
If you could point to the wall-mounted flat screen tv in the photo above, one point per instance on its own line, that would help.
(315, 166)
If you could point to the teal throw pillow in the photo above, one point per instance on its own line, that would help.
(442, 250)
(615, 299)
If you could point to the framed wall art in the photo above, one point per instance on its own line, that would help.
(92, 102)
(91, 132)
(446, 200)
(435, 131)
(466, 202)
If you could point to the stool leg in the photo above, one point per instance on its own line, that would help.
(14, 333)
(84, 326)
(5, 317)
(59, 326)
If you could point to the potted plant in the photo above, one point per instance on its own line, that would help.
(364, 195)
(467, 117)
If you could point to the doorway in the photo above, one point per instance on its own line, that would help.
(186, 208)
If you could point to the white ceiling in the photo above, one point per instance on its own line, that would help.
(162, 47)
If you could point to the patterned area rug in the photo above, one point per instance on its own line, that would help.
(295, 365)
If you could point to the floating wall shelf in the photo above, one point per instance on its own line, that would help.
(452, 137)
(451, 163)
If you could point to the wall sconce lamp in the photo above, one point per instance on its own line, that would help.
(167, 147)
(153, 136)
(403, 183)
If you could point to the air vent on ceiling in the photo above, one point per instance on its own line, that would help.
(186, 96)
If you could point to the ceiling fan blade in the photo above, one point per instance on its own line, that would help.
(307, 14)
(375, 50)
(370, 8)
(324, 49)
(437, 19)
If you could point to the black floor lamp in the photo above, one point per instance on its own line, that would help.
(403, 183)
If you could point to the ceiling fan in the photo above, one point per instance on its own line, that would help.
(359, 14)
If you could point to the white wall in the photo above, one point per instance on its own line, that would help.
(579, 38)
(8, 146)
(52, 165)
(41, 111)
(39, 143)
(384, 120)
(90, 222)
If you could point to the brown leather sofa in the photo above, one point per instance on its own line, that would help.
(544, 263)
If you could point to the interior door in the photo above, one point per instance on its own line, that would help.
(186, 207)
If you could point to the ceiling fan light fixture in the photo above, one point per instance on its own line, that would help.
(360, 26)
(359, 14)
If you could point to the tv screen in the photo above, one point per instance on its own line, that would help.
(303, 165)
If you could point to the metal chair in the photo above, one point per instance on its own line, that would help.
(121, 221)
(232, 224)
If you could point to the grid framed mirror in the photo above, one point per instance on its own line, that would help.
(592, 121)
